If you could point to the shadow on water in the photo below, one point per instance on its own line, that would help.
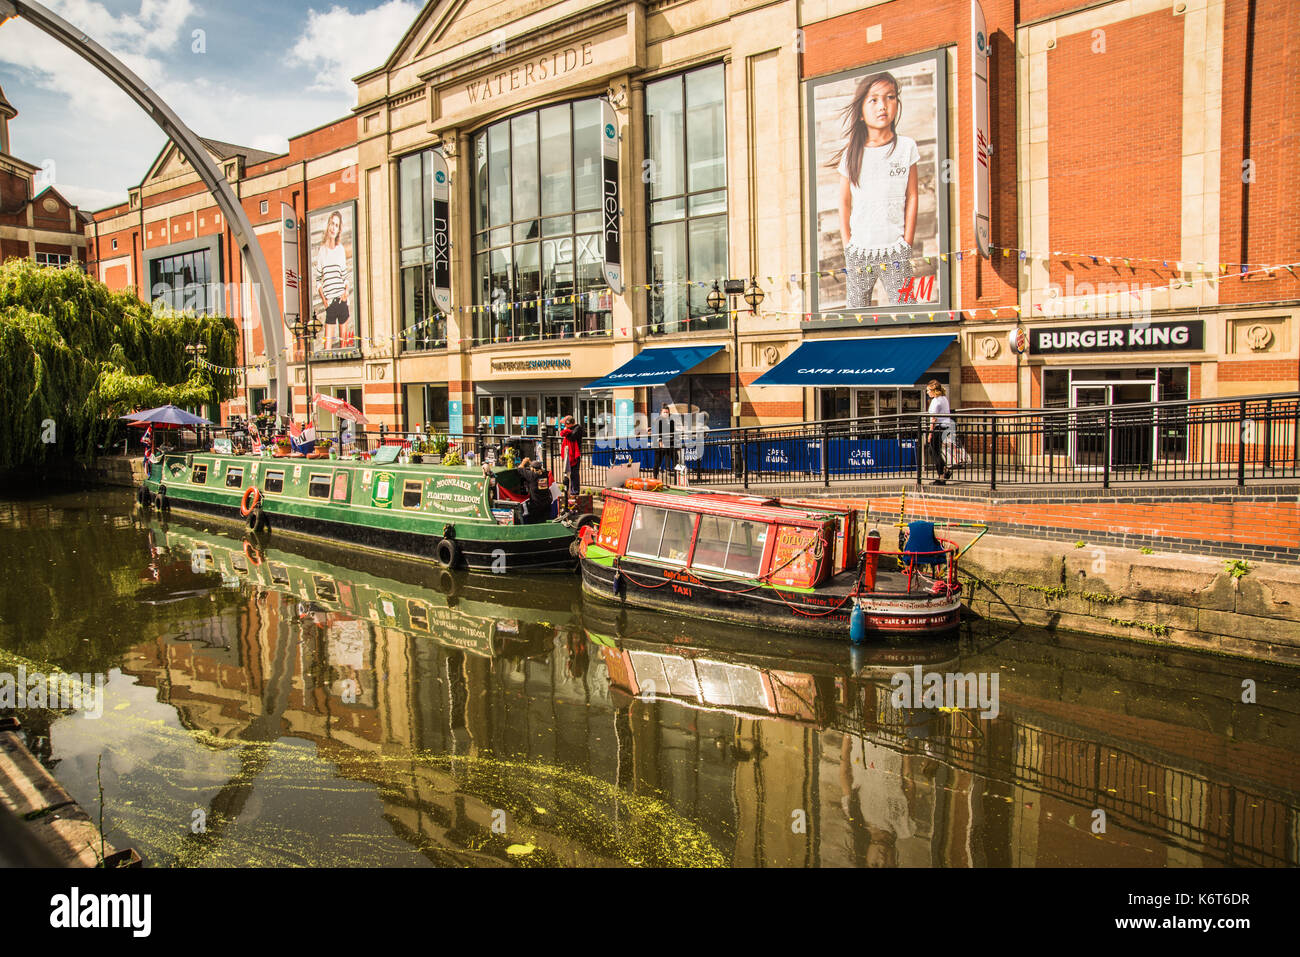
(272, 704)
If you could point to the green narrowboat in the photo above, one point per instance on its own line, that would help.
(436, 513)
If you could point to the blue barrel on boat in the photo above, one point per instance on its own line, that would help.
(857, 624)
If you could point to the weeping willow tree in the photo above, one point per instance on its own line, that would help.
(75, 355)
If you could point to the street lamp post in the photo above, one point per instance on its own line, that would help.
(196, 352)
(717, 298)
(306, 329)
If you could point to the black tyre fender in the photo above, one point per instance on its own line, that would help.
(160, 502)
(449, 584)
(448, 552)
(585, 519)
(254, 520)
(263, 520)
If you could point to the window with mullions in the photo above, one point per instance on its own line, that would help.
(538, 259)
(183, 281)
(423, 326)
(686, 150)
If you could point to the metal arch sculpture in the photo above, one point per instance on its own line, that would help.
(194, 151)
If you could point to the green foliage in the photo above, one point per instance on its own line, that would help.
(1236, 567)
(1147, 551)
(453, 458)
(78, 354)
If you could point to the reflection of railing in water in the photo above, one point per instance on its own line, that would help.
(1223, 821)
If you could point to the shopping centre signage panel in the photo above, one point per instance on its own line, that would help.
(503, 85)
(1109, 339)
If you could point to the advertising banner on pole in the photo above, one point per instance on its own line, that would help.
(613, 238)
(980, 51)
(441, 232)
(290, 278)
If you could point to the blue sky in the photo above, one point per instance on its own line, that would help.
(256, 75)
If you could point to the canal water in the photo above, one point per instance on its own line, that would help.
(298, 704)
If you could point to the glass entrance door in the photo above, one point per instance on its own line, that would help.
(1132, 439)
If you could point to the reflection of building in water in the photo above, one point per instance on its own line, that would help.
(797, 764)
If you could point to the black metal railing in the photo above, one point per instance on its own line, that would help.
(1239, 440)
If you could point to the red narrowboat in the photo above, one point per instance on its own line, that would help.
(757, 561)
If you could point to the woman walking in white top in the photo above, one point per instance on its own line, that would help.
(941, 429)
(878, 192)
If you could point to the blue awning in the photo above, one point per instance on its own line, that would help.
(654, 367)
(868, 361)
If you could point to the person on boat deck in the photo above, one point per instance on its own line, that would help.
(537, 485)
(665, 440)
(571, 436)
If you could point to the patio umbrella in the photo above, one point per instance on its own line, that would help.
(338, 407)
(166, 415)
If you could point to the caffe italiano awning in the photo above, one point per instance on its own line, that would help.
(655, 367)
(865, 361)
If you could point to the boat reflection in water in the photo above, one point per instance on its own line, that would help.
(336, 710)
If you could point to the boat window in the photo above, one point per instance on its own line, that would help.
(279, 573)
(200, 475)
(661, 534)
(318, 486)
(326, 590)
(679, 528)
(412, 491)
(745, 556)
(731, 545)
(235, 476)
(239, 563)
(273, 482)
(341, 486)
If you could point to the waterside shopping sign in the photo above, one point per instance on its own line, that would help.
(1131, 337)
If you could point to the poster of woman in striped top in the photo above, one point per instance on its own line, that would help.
(331, 233)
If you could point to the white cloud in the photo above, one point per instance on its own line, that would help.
(339, 44)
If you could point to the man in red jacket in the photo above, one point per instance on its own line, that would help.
(571, 436)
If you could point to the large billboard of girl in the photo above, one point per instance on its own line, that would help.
(332, 268)
(879, 143)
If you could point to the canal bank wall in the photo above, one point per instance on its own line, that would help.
(1209, 568)
(119, 471)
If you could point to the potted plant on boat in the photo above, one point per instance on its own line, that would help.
(282, 446)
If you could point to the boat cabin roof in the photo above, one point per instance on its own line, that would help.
(730, 505)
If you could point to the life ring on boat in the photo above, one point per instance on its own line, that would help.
(644, 484)
(254, 555)
(244, 505)
(448, 552)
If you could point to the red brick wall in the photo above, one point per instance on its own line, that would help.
(840, 44)
(1272, 233)
(1114, 145)
(1259, 370)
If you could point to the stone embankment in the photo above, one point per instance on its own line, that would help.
(1229, 606)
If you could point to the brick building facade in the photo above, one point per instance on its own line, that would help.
(1142, 155)
(35, 224)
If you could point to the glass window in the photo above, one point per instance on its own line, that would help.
(234, 477)
(538, 259)
(647, 532)
(273, 482)
(687, 160)
(676, 544)
(318, 486)
(423, 325)
(199, 476)
(181, 282)
(412, 492)
(745, 556)
(731, 545)
(1056, 395)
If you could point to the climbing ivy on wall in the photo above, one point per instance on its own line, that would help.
(77, 354)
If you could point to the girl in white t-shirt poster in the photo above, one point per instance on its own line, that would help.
(877, 167)
(332, 279)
